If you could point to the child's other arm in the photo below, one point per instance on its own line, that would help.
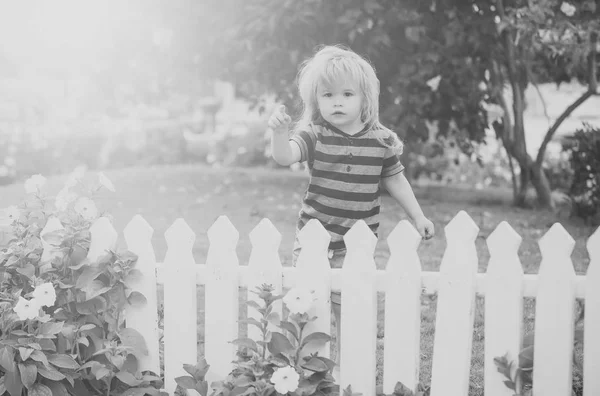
(284, 151)
(400, 189)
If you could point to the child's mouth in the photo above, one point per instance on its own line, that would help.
(338, 113)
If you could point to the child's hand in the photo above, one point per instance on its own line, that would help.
(425, 227)
(279, 120)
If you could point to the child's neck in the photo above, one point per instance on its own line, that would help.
(352, 129)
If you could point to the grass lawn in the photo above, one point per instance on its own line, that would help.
(200, 194)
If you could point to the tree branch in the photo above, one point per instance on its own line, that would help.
(591, 91)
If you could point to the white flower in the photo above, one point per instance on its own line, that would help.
(567, 9)
(34, 184)
(105, 182)
(45, 295)
(494, 111)
(285, 379)
(434, 83)
(86, 208)
(298, 300)
(64, 198)
(27, 309)
(75, 177)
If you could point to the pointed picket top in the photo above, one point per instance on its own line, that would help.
(313, 235)
(556, 242)
(461, 227)
(504, 240)
(265, 235)
(181, 235)
(360, 237)
(223, 233)
(137, 231)
(593, 246)
(404, 237)
(104, 238)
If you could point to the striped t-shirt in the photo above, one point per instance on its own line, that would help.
(345, 172)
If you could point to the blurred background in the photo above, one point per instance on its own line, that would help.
(484, 93)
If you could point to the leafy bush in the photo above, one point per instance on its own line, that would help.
(62, 329)
(584, 151)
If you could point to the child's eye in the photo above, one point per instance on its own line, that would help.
(327, 94)
(348, 94)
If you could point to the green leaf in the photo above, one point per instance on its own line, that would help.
(101, 373)
(279, 344)
(246, 343)
(94, 289)
(202, 388)
(137, 299)
(25, 353)
(186, 382)
(318, 337)
(526, 358)
(28, 374)
(289, 326)
(50, 373)
(128, 378)
(133, 277)
(255, 305)
(199, 370)
(51, 328)
(63, 361)
(57, 388)
(40, 390)
(40, 356)
(132, 338)
(7, 359)
(87, 276)
(91, 307)
(402, 390)
(46, 345)
(273, 318)
(12, 381)
(28, 270)
(316, 365)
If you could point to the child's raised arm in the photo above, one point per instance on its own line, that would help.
(284, 151)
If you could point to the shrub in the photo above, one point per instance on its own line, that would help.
(584, 151)
(62, 329)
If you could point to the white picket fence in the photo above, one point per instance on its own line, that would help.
(504, 286)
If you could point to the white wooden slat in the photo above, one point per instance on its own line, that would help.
(359, 312)
(402, 309)
(103, 238)
(313, 273)
(221, 299)
(503, 306)
(264, 268)
(50, 251)
(591, 351)
(455, 309)
(554, 315)
(144, 319)
(180, 300)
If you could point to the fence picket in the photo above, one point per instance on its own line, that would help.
(313, 273)
(359, 312)
(455, 309)
(222, 298)
(265, 268)
(50, 251)
(180, 300)
(554, 315)
(503, 306)
(402, 309)
(103, 239)
(591, 352)
(144, 318)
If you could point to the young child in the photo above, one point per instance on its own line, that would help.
(349, 152)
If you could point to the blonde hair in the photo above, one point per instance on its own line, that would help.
(331, 63)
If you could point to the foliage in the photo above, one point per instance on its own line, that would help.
(584, 151)
(62, 328)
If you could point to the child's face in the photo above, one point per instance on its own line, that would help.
(340, 104)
